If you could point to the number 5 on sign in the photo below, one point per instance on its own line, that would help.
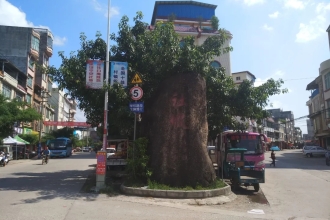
(136, 93)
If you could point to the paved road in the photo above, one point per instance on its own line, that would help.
(33, 191)
(298, 186)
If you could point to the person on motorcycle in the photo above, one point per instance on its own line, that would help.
(46, 152)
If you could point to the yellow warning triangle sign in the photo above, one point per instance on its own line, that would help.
(136, 79)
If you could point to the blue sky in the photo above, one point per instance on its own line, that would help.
(271, 38)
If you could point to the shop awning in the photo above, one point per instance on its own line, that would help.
(21, 140)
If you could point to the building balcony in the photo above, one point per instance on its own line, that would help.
(49, 51)
(10, 80)
(37, 97)
(34, 53)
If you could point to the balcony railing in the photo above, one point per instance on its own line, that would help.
(11, 80)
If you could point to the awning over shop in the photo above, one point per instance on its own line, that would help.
(11, 141)
(21, 140)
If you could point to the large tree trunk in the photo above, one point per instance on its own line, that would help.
(175, 122)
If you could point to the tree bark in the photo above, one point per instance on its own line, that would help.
(175, 123)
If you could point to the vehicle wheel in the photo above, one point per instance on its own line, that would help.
(256, 187)
(308, 155)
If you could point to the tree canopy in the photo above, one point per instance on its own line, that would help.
(14, 111)
(157, 53)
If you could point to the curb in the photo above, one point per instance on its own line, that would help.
(176, 194)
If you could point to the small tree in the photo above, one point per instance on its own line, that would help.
(215, 22)
(12, 111)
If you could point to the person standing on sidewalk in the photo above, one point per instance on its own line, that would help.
(272, 155)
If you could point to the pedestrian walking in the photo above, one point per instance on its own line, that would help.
(272, 155)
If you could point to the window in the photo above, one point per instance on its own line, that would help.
(31, 64)
(46, 60)
(6, 91)
(327, 81)
(19, 97)
(35, 43)
(44, 76)
(215, 64)
(50, 42)
(238, 78)
(29, 82)
(328, 108)
(28, 99)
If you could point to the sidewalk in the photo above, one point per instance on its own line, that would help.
(13, 162)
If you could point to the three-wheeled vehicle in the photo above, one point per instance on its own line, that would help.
(240, 171)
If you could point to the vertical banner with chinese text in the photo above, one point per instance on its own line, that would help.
(101, 163)
(94, 74)
(118, 73)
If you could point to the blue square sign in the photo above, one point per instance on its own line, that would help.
(136, 107)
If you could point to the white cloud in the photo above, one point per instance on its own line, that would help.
(274, 15)
(276, 75)
(103, 8)
(296, 4)
(315, 27)
(253, 2)
(59, 41)
(12, 16)
(267, 28)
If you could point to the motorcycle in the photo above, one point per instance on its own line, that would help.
(4, 159)
(44, 159)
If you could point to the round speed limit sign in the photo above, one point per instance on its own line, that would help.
(136, 93)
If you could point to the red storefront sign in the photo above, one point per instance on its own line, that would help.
(66, 123)
(101, 163)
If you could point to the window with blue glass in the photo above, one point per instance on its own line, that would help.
(50, 42)
(327, 80)
(28, 99)
(35, 43)
(6, 91)
(29, 82)
(31, 64)
(19, 97)
(215, 64)
(328, 108)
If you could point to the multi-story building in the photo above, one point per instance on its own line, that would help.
(239, 77)
(287, 119)
(12, 86)
(27, 48)
(65, 108)
(191, 18)
(310, 131)
(274, 131)
(319, 103)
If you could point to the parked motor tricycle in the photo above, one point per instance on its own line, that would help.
(240, 171)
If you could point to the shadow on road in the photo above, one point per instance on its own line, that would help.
(65, 184)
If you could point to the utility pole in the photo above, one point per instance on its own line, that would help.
(41, 120)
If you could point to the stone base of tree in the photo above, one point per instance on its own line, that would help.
(176, 194)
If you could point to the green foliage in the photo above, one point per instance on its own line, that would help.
(156, 54)
(215, 22)
(31, 138)
(137, 162)
(12, 111)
